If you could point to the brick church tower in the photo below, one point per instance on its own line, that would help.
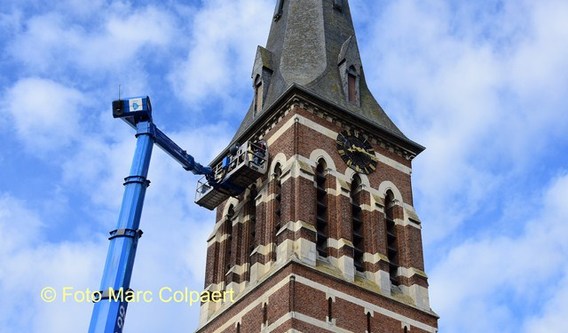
(328, 240)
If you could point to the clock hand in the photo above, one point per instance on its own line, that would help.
(361, 150)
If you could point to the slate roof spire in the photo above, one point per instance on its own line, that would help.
(312, 45)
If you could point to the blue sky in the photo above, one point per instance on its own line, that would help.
(481, 84)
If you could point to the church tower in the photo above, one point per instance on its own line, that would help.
(328, 240)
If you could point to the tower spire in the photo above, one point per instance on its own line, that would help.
(331, 225)
(312, 46)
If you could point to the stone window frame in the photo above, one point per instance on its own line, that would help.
(391, 237)
(358, 228)
(230, 216)
(321, 207)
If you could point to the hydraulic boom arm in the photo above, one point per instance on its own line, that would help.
(239, 169)
(180, 155)
(110, 310)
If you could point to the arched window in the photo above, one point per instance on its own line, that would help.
(321, 210)
(368, 322)
(258, 95)
(357, 223)
(352, 85)
(251, 208)
(265, 314)
(392, 246)
(277, 198)
(277, 205)
(229, 237)
(329, 309)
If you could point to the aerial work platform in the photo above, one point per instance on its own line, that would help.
(233, 174)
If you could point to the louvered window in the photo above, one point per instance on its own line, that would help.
(321, 210)
(357, 224)
(392, 245)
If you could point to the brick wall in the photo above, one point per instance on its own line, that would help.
(298, 136)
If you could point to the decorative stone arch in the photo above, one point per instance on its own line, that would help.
(281, 159)
(318, 154)
(386, 186)
(230, 202)
(350, 173)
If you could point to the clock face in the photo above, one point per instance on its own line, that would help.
(356, 151)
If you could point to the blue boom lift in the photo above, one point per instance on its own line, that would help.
(243, 165)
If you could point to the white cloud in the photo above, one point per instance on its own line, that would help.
(45, 113)
(543, 50)
(482, 90)
(534, 77)
(130, 36)
(10, 22)
(487, 276)
(477, 88)
(553, 312)
(100, 165)
(223, 45)
(103, 165)
(30, 263)
(81, 8)
(112, 41)
(551, 257)
(13, 210)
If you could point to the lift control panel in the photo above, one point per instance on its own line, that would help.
(133, 110)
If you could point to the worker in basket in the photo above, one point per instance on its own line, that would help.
(258, 152)
(227, 164)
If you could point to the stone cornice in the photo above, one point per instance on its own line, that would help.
(297, 96)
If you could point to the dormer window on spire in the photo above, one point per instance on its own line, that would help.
(258, 95)
(352, 91)
(261, 75)
(352, 86)
(349, 65)
(279, 10)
